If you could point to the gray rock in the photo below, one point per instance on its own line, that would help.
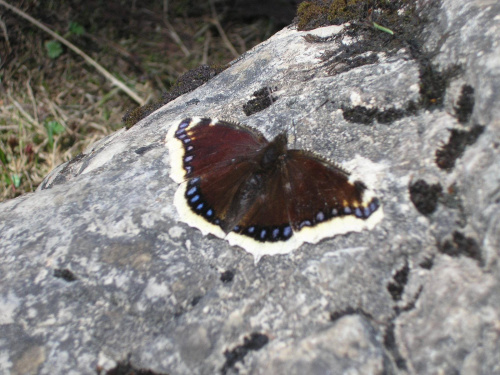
(95, 268)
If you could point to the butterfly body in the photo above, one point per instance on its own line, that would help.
(258, 194)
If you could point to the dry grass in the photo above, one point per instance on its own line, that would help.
(145, 47)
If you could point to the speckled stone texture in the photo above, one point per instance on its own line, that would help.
(95, 269)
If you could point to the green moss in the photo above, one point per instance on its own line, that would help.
(317, 13)
(310, 15)
(341, 11)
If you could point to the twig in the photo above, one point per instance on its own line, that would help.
(5, 35)
(175, 37)
(78, 51)
(215, 21)
(25, 114)
(206, 45)
(171, 30)
(32, 98)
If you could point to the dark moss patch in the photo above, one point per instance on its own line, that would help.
(397, 286)
(353, 55)
(359, 114)
(389, 115)
(317, 13)
(433, 83)
(424, 196)
(227, 276)
(458, 141)
(186, 83)
(256, 341)
(400, 17)
(391, 345)
(460, 245)
(262, 99)
(363, 115)
(341, 11)
(311, 15)
(465, 104)
(126, 368)
(65, 274)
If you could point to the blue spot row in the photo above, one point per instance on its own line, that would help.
(267, 234)
(196, 201)
(305, 223)
(359, 212)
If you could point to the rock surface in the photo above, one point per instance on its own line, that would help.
(96, 270)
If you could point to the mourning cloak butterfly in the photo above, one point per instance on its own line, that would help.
(258, 194)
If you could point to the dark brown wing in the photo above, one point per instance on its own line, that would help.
(304, 191)
(209, 146)
(322, 191)
(215, 158)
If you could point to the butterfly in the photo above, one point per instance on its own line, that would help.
(258, 194)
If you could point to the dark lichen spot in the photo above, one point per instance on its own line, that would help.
(143, 150)
(359, 114)
(65, 274)
(424, 196)
(263, 99)
(433, 83)
(255, 342)
(427, 263)
(458, 141)
(186, 83)
(195, 300)
(125, 368)
(460, 245)
(336, 315)
(344, 65)
(397, 286)
(65, 174)
(391, 345)
(389, 115)
(363, 115)
(465, 104)
(227, 276)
